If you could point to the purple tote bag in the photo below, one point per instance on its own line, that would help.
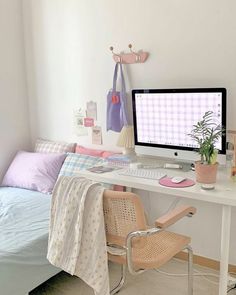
(117, 104)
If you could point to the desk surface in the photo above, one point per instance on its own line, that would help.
(224, 192)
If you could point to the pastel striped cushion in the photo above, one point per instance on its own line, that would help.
(76, 162)
(49, 146)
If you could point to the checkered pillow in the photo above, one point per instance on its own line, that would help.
(76, 162)
(48, 146)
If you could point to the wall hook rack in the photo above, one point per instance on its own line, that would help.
(130, 58)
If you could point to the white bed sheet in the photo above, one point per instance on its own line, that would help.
(24, 221)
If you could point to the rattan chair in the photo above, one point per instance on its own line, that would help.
(133, 244)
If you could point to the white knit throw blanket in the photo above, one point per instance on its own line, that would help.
(77, 240)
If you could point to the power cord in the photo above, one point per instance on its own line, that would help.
(198, 273)
(231, 289)
(172, 205)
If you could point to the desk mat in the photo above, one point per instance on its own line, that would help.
(166, 181)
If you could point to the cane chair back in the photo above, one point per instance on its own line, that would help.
(123, 213)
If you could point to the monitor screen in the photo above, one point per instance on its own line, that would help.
(164, 117)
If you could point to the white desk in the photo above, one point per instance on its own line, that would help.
(223, 194)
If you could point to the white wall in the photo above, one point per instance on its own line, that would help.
(14, 123)
(191, 44)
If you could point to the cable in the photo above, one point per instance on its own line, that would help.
(185, 274)
(199, 273)
(231, 289)
(172, 205)
(207, 273)
(195, 274)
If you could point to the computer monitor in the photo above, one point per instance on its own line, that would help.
(163, 118)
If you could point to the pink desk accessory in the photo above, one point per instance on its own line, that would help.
(166, 181)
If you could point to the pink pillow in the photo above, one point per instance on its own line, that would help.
(35, 171)
(92, 152)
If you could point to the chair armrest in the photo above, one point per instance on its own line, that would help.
(174, 215)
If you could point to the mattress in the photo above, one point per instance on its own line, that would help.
(24, 221)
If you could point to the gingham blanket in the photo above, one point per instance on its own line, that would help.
(77, 241)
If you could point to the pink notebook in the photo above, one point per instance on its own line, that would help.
(166, 181)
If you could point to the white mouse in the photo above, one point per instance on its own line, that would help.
(177, 179)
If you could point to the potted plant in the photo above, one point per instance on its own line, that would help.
(206, 133)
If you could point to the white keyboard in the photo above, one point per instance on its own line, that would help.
(143, 173)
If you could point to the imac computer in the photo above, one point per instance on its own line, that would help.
(163, 118)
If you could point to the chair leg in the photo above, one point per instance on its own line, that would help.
(122, 280)
(190, 270)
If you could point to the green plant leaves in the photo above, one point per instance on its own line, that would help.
(205, 133)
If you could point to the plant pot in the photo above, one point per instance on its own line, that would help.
(206, 174)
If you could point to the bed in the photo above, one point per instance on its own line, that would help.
(24, 220)
(24, 213)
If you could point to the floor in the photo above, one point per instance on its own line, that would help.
(147, 283)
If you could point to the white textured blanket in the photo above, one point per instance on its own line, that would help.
(77, 241)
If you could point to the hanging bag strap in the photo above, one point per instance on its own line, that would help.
(115, 77)
(122, 79)
(123, 98)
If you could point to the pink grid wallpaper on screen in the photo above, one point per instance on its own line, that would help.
(167, 118)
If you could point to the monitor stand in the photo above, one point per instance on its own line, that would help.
(161, 162)
(186, 166)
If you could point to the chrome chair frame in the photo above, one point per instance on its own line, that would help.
(131, 268)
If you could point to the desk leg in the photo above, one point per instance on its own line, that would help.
(224, 250)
